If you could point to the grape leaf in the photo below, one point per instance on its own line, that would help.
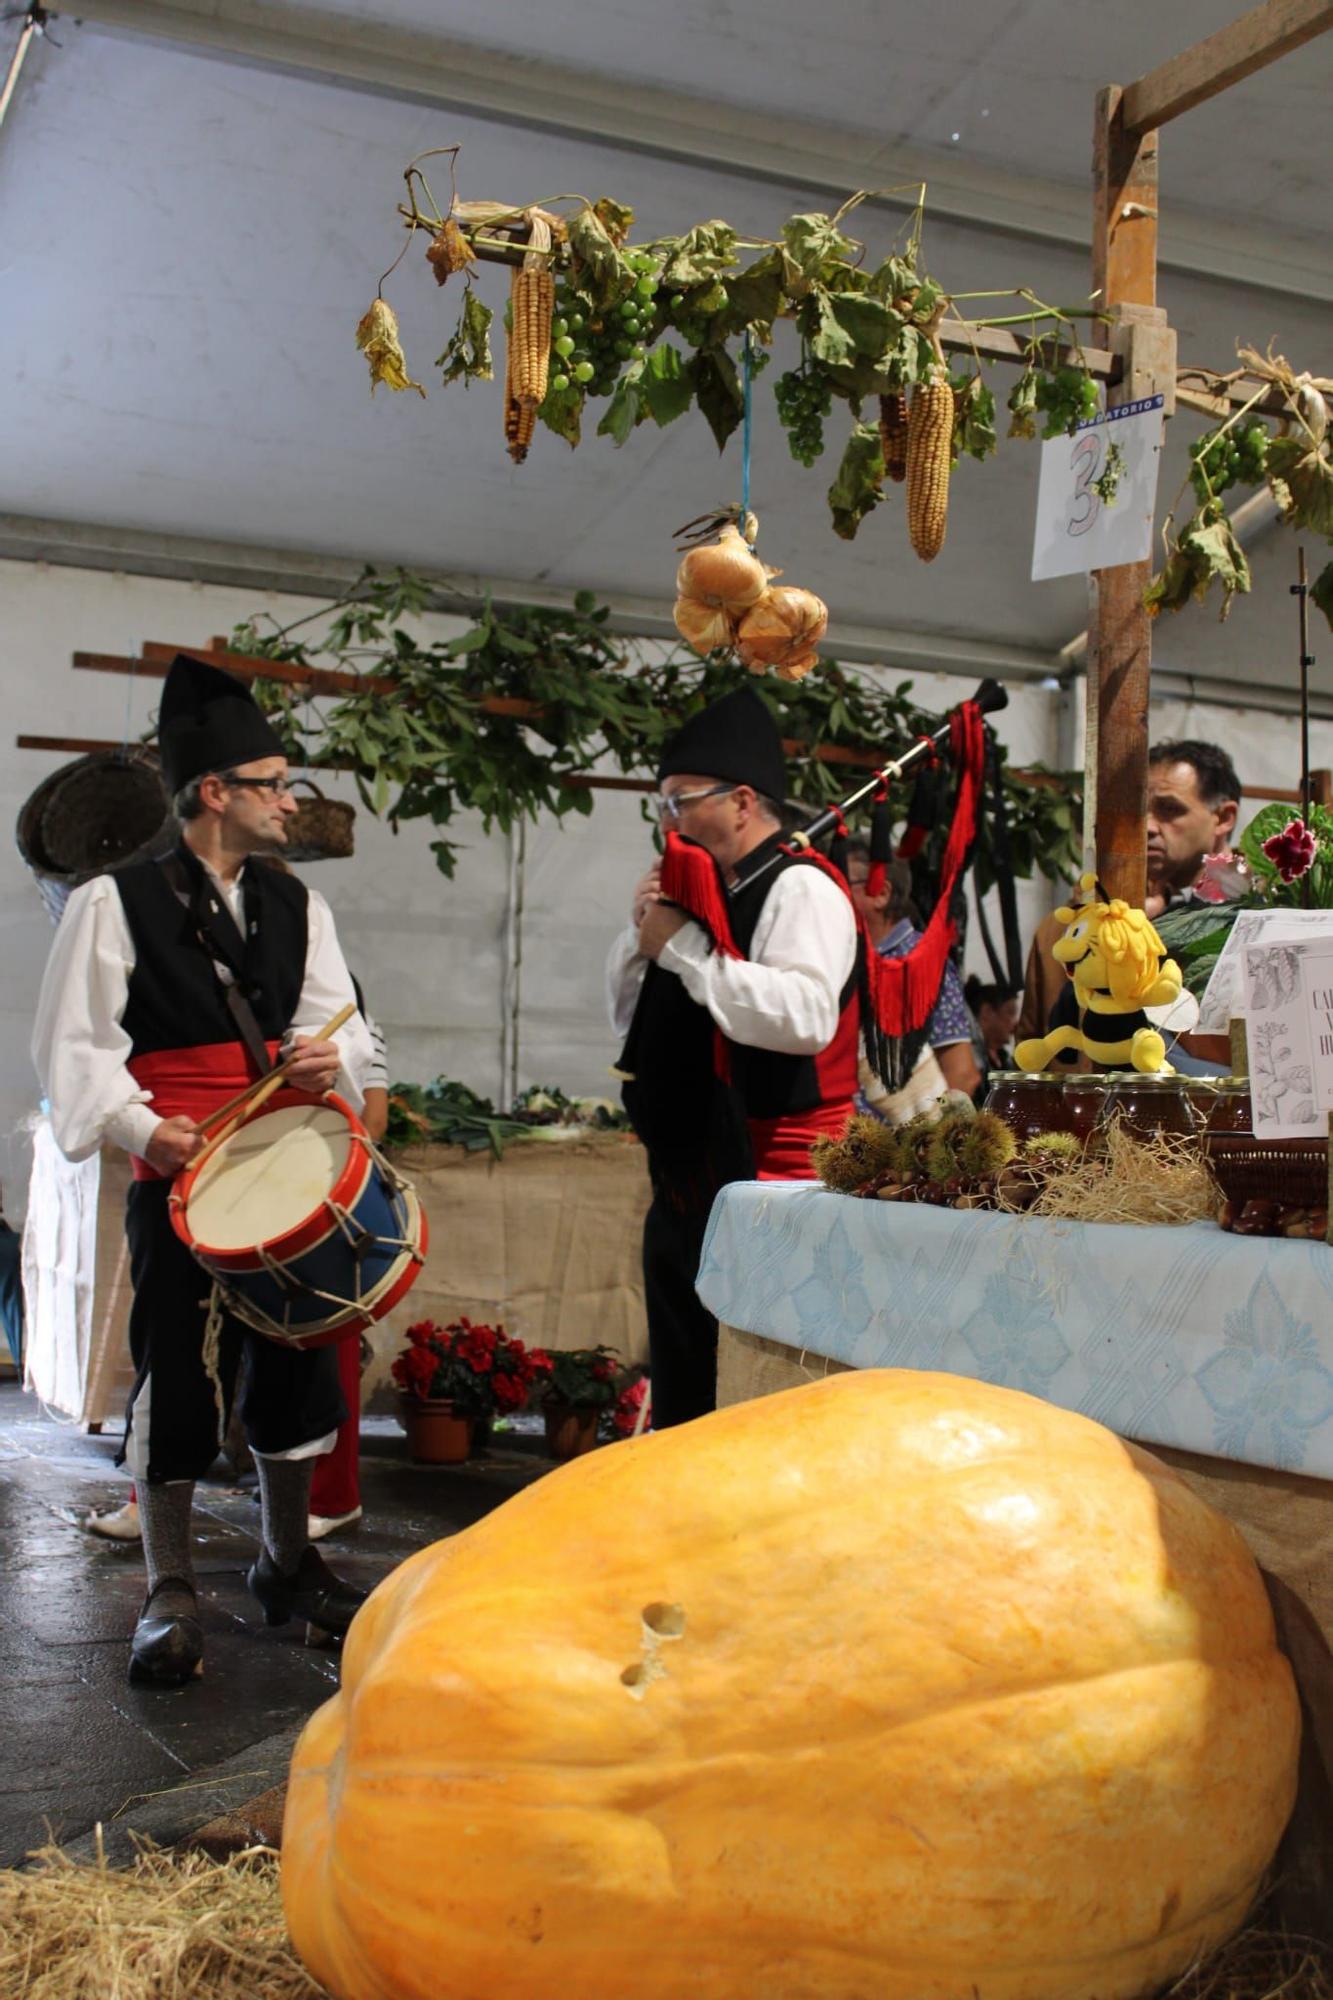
(856, 488)
(813, 244)
(562, 412)
(717, 389)
(707, 249)
(615, 218)
(625, 408)
(1321, 591)
(1308, 478)
(666, 387)
(469, 351)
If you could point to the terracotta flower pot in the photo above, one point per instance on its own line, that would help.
(437, 1434)
(571, 1429)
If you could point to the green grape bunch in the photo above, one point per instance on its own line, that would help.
(1230, 456)
(588, 349)
(1066, 399)
(804, 399)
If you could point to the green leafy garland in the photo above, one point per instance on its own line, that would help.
(421, 745)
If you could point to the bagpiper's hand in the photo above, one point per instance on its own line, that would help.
(660, 924)
(174, 1143)
(312, 1066)
(646, 893)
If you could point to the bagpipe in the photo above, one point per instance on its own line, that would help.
(898, 995)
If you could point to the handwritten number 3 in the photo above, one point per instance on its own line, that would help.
(1084, 459)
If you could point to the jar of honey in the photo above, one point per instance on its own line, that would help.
(1230, 1110)
(1083, 1097)
(1030, 1102)
(1147, 1105)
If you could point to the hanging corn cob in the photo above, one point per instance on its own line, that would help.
(532, 302)
(929, 454)
(893, 435)
(520, 418)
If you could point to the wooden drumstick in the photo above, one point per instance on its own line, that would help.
(259, 1092)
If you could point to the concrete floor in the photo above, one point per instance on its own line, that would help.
(78, 1745)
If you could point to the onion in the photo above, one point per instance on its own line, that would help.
(782, 628)
(702, 626)
(724, 572)
(796, 670)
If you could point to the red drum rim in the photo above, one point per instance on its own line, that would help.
(346, 1192)
(394, 1286)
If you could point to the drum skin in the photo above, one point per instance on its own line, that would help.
(348, 1254)
(898, 1686)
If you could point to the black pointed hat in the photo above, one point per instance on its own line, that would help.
(209, 721)
(735, 738)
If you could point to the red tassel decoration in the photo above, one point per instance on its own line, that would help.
(881, 843)
(692, 881)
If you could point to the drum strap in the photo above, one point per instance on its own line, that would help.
(217, 933)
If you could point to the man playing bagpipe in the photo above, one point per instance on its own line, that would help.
(744, 989)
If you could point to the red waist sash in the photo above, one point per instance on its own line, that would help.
(189, 1083)
(782, 1145)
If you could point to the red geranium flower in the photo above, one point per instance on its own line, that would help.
(1292, 851)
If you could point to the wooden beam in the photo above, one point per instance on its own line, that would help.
(1124, 270)
(997, 343)
(1214, 64)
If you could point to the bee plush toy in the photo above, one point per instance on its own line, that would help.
(1119, 966)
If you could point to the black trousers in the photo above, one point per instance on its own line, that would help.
(289, 1397)
(682, 1333)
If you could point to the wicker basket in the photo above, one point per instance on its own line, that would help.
(321, 829)
(92, 815)
(1292, 1172)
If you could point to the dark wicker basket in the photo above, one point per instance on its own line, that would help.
(1292, 1172)
(92, 815)
(321, 829)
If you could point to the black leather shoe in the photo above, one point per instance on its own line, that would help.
(313, 1592)
(168, 1647)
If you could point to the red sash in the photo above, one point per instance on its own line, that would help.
(782, 1145)
(189, 1083)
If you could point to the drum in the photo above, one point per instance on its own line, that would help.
(307, 1229)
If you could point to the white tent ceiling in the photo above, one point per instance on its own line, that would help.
(197, 199)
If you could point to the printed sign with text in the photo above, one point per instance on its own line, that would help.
(1098, 492)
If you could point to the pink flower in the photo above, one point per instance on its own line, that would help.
(1292, 850)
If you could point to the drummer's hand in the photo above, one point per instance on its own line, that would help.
(646, 893)
(313, 1066)
(661, 922)
(174, 1143)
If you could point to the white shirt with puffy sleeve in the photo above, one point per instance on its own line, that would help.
(81, 1052)
(785, 995)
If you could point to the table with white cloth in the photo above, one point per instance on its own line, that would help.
(1214, 1350)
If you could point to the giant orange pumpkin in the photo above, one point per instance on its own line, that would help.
(896, 1687)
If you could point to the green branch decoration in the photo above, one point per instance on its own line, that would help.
(504, 719)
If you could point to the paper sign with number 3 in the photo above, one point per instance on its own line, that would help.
(1097, 494)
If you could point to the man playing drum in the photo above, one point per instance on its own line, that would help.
(171, 985)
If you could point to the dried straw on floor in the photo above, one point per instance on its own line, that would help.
(1259, 1965)
(173, 1925)
(1158, 1180)
(181, 1926)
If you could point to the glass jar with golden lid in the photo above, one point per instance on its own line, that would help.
(1230, 1109)
(1083, 1097)
(1029, 1101)
(1147, 1105)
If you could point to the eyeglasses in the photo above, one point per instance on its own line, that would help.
(671, 804)
(279, 787)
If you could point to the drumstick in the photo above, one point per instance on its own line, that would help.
(259, 1092)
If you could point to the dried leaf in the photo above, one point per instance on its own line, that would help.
(1301, 468)
(377, 337)
(1206, 549)
(449, 252)
(1321, 591)
(856, 489)
(615, 218)
(469, 351)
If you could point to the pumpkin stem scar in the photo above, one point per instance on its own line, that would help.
(664, 1621)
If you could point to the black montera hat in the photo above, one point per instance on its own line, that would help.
(209, 721)
(734, 738)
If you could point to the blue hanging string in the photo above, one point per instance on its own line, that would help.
(746, 380)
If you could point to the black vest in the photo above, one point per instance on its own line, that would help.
(692, 1122)
(176, 998)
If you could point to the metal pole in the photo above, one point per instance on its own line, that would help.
(32, 27)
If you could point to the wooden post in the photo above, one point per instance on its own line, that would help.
(1124, 271)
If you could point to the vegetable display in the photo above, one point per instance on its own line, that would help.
(896, 1684)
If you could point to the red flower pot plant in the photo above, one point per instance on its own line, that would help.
(578, 1384)
(460, 1375)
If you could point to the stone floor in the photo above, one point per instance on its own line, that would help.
(78, 1745)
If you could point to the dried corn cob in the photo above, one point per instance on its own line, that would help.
(532, 295)
(929, 451)
(893, 435)
(520, 418)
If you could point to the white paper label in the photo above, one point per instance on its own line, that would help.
(1078, 530)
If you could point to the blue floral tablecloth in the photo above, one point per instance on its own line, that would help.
(1190, 1337)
